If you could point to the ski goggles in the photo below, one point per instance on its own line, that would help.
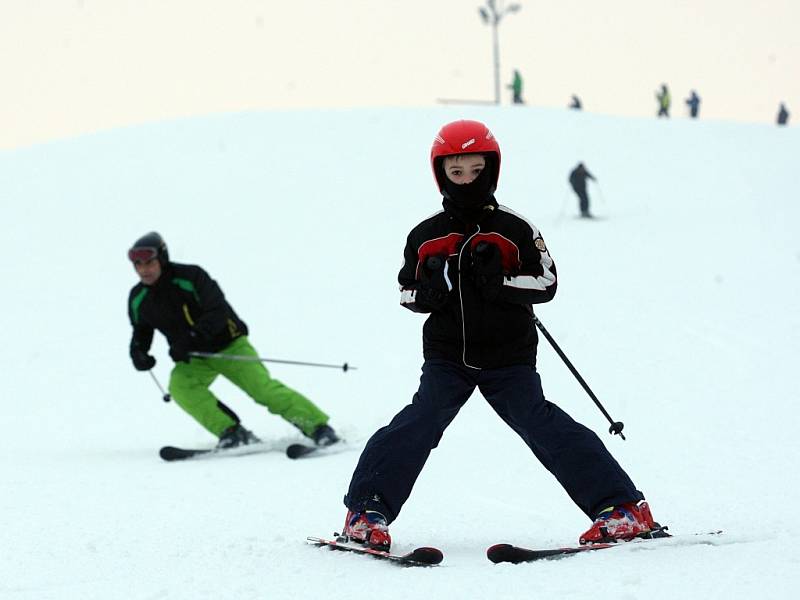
(142, 254)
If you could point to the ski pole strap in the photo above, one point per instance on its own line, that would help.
(616, 426)
(344, 367)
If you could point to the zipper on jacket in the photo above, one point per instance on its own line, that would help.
(461, 302)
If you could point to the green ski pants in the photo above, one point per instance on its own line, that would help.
(189, 383)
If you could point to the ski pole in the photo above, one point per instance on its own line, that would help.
(616, 426)
(599, 189)
(345, 367)
(166, 397)
(561, 213)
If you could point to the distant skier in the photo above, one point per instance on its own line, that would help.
(516, 88)
(693, 102)
(664, 101)
(576, 103)
(577, 179)
(477, 268)
(783, 114)
(190, 310)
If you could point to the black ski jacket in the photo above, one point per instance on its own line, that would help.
(469, 329)
(184, 304)
(578, 177)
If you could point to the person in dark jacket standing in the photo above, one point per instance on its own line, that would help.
(577, 179)
(693, 102)
(783, 114)
(190, 310)
(476, 268)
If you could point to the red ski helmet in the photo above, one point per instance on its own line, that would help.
(463, 137)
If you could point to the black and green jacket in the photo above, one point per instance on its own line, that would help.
(185, 303)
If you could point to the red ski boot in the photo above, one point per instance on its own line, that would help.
(368, 528)
(623, 522)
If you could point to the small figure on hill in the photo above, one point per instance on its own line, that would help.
(516, 88)
(783, 114)
(476, 269)
(576, 103)
(577, 179)
(693, 102)
(664, 101)
(188, 307)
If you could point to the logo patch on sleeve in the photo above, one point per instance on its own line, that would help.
(539, 243)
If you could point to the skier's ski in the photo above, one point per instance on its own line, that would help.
(516, 554)
(300, 450)
(171, 453)
(304, 450)
(419, 557)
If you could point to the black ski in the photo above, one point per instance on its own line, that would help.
(308, 450)
(515, 554)
(172, 453)
(419, 557)
(300, 450)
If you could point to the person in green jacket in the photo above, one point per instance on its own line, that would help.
(664, 101)
(188, 307)
(516, 88)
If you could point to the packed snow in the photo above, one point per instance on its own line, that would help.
(678, 305)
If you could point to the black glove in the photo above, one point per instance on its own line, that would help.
(487, 269)
(433, 290)
(142, 360)
(180, 347)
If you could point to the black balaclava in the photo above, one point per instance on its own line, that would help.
(469, 201)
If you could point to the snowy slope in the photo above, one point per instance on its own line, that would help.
(680, 308)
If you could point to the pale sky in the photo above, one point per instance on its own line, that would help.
(78, 66)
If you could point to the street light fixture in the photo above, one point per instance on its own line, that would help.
(492, 17)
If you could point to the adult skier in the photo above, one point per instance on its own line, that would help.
(577, 179)
(664, 101)
(516, 88)
(783, 115)
(190, 310)
(476, 268)
(693, 102)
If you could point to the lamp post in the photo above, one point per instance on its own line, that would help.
(496, 11)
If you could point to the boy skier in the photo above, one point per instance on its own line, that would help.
(476, 268)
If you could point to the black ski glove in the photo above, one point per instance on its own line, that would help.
(487, 269)
(433, 290)
(142, 361)
(180, 347)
